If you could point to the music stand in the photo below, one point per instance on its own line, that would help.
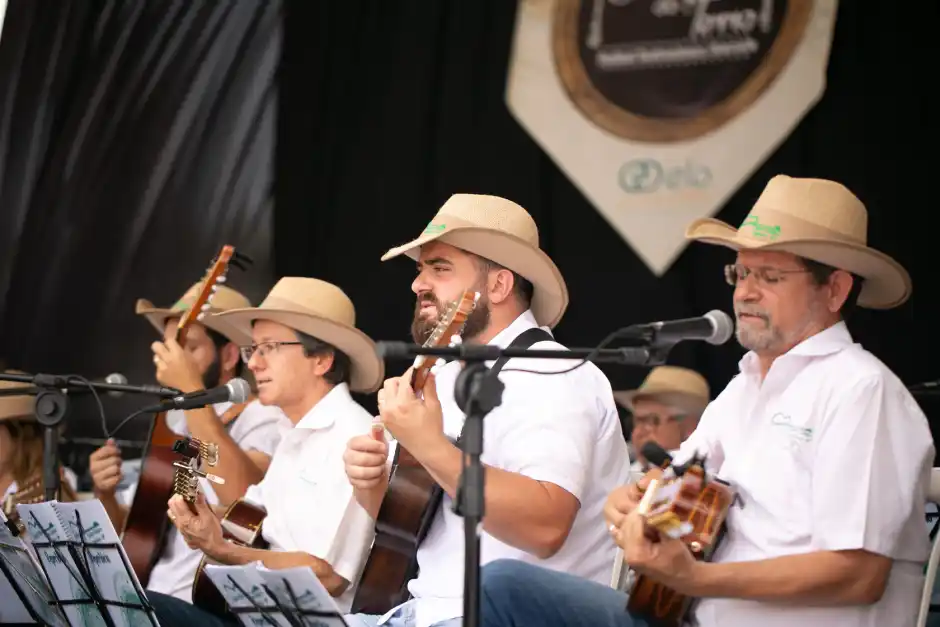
(294, 615)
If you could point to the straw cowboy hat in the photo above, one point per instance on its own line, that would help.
(225, 298)
(819, 220)
(674, 386)
(16, 407)
(322, 310)
(503, 232)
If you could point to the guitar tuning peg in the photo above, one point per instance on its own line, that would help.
(455, 340)
(221, 279)
(200, 316)
(206, 307)
(215, 288)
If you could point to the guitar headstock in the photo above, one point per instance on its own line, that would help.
(215, 276)
(449, 326)
(186, 474)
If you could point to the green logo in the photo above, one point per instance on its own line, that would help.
(433, 229)
(762, 231)
(794, 431)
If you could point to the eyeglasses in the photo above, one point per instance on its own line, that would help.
(765, 276)
(265, 349)
(654, 420)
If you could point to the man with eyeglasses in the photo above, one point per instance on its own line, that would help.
(246, 434)
(665, 409)
(306, 355)
(829, 452)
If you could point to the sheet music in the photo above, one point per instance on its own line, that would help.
(20, 565)
(270, 588)
(114, 582)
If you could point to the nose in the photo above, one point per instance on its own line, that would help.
(254, 363)
(746, 290)
(420, 285)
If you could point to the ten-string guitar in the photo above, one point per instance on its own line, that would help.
(144, 534)
(412, 498)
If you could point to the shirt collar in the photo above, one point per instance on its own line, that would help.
(827, 342)
(323, 414)
(524, 322)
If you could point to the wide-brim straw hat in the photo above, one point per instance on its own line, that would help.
(673, 386)
(819, 220)
(224, 299)
(503, 232)
(16, 407)
(321, 310)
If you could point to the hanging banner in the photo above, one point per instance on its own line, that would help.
(658, 110)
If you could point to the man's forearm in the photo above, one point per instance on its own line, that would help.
(236, 555)
(823, 578)
(518, 509)
(235, 466)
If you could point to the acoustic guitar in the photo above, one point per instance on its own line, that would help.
(145, 527)
(412, 498)
(687, 505)
(241, 524)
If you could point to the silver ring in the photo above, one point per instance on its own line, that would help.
(612, 528)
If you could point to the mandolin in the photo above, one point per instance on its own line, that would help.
(241, 524)
(412, 498)
(687, 505)
(145, 527)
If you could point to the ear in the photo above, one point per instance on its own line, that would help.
(501, 286)
(322, 362)
(229, 356)
(840, 284)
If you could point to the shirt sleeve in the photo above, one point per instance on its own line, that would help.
(705, 440)
(548, 429)
(871, 470)
(260, 428)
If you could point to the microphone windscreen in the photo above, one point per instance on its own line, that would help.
(723, 326)
(239, 390)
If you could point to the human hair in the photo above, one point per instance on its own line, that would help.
(219, 341)
(24, 460)
(521, 287)
(339, 372)
(820, 274)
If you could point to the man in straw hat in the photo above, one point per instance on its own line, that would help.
(830, 453)
(306, 354)
(666, 409)
(553, 448)
(246, 434)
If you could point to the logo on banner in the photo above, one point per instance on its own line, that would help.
(658, 110)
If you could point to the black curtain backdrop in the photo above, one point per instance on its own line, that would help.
(135, 139)
(387, 108)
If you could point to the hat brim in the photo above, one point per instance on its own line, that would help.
(549, 294)
(367, 368)
(887, 284)
(158, 316)
(691, 403)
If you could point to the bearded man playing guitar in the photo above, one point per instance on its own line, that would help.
(246, 434)
(552, 449)
(829, 452)
(306, 355)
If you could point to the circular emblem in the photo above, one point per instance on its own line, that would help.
(672, 70)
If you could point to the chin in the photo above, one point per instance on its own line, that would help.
(266, 397)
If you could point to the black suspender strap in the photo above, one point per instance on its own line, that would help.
(524, 340)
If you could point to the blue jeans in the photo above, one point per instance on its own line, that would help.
(172, 611)
(517, 594)
(404, 617)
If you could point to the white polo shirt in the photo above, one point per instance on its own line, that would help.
(308, 498)
(258, 428)
(558, 428)
(830, 453)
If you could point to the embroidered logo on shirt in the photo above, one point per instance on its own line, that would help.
(784, 422)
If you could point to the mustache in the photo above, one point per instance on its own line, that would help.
(748, 310)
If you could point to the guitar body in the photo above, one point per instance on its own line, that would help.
(240, 524)
(146, 525)
(692, 509)
(411, 500)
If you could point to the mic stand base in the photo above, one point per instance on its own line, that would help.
(477, 393)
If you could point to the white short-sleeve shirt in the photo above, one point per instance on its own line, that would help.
(309, 500)
(257, 428)
(557, 428)
(830, 452)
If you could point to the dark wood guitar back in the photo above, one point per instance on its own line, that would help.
(240, 524)
(412, 498)
(694, 511)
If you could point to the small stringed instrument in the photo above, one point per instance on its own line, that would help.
(412, 498)
(145, 527)
(687, 505)
(241, 524)
(32, 491)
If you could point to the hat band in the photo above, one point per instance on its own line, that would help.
(767, 226)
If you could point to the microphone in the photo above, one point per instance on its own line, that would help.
(235, 391)
(715, 327)
(656, 455)
(115, 378)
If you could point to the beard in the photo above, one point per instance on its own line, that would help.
(422, 328)
(212, 377)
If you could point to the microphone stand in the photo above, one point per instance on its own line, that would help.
(477, 393)
(51, 407)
